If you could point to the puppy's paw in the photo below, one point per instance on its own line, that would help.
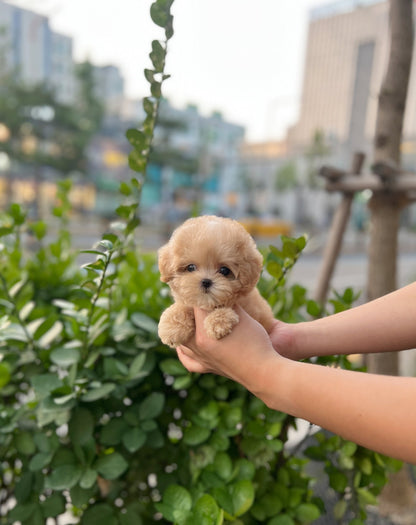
(220, 322)
(176, 325)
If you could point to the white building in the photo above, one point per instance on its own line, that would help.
(109, 83)
(62, 77)
(346, 59)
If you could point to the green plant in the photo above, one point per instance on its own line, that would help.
(98, 419)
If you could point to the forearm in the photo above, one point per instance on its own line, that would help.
(386, 324)
(377, 412)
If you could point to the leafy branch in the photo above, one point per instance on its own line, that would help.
(141, 139)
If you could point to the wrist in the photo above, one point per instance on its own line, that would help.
(286, 339)
(275, 383)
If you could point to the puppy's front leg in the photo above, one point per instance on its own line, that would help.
(220, 322)
(176, 325)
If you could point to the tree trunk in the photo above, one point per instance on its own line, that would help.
(385, 207)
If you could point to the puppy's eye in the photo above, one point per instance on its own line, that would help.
(224, 271)
(191, 268)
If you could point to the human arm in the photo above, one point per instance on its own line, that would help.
(386, 324)
(374, 411)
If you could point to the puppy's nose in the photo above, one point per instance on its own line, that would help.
(206, 283)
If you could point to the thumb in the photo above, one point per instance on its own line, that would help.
(200, 316)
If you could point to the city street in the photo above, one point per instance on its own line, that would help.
(350, 270)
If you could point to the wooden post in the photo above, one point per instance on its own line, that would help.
(336, 234)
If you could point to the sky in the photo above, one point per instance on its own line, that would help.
(243, 58)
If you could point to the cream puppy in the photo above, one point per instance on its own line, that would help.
(212, 263)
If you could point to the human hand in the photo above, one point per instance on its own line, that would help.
(243, 355)
(282, 337)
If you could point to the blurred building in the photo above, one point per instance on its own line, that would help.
(261, 163)
(346, 59)
(30, 48)
(109, 84)
(195, 160)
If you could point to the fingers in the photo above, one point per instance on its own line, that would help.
(191, 364)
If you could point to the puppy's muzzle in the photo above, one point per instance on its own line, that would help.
(206, 284)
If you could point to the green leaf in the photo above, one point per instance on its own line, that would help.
(15, 289)
(53, 506)
(157, 56)
(63, 477)
(65, 357)
(149, 106)
(173, 367)
(242, 496)
(275, 269)
(307, 512)
(137, 162)
(151, 406)
(23, 487)
(134, 439)
(88, 479)
(340, 508)
(144, 322)
(365, 497)
(160, 12)
(25, 444)
(113, 431)
(176, 498)
(137, 367)
(149, 75)
(22, 512)
(338, 480)
(99, 392)
(126, 211)
(232, 416)
(223, 465)
(27, 310)
(111, 466)
(45, 383)
(182, 382)
(246, 469)
(130, 517)
(125, 189)
(17, 214)
(5, 374)
(52, 334)
(40, 460)
(196, 435)
(365, 466)
(99, 514)
(81, 426)
(289, 248)
(39, 228)
(301, 242)
(348, 449)
(207, 512)
(313, 308)
(283, 519)
(137, 139)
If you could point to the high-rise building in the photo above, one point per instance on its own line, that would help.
(109, 84)
(345, 62)
(62, 78)
(37, 54)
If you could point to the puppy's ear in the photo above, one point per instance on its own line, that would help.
(165, 263)
(250, 266)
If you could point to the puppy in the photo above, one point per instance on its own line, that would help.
(212, 263)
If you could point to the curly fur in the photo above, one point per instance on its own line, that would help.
(212, 263)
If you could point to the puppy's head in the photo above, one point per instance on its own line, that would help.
(210, 261)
